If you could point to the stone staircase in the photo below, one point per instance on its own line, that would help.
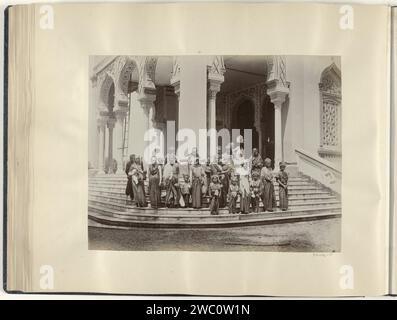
(108, 206)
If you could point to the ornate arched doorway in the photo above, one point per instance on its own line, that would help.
(244, 118)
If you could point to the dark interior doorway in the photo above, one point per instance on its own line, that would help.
(267, 123)
(244, 118)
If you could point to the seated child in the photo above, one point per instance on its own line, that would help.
(234, 191)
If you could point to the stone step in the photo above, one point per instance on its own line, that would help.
(116, 219)
(124, 177)
(204, 213)
(292, 202)
(122, 196)
(127, 207)
(124, 183)
(121, 190)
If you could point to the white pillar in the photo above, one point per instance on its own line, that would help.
(136, 126)
(94, 123)
(277, 97)
(147, 104)
(277, 89)
(278, 143)
(101, 145)
(118, 139)
(213, 89)
(192, 87)
(215, 71)
(111, 125)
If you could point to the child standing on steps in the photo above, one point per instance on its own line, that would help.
(186, 187)
(234, 190)
(215, 191)
(282, 179)
(255, 191)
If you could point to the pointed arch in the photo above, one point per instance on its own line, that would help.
(129, 71)
(106, 86)
(330, 80)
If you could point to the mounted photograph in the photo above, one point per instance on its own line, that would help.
(215, 153)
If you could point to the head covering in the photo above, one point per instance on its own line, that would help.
(240, 139)
(282, 165)
(215, 176)
(267, 160)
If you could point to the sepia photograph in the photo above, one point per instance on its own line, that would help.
(215, 153)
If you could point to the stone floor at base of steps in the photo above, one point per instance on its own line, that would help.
(121, 207)
(111, 222)
(181, 212)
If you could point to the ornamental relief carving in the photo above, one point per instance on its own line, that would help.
(256, 93)
(150, 68)
(176, 67)
(331, 86)
(330, 124)
(125, 76)
(113, 69)
(330, 92)
(120, 70)
(277, 70)
(105, 83)
(217, 66)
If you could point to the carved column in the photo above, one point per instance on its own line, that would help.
(101, 147)
(118, 139)
(176, 74)
(215, 78)
(214, 87)
(257, 124)
(147, 104)
(277, 89)
(111, 124)
(277, 95)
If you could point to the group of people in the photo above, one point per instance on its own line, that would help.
(230, 180)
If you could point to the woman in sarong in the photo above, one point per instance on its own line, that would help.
(208, 171)
(282, 179)
(245, 194)
(154, 183)
(217, 169)
(137, 179)
(267, 186)
(226, 175)
(128, 190)
(197, 174)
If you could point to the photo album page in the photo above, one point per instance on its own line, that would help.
(207, 149)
